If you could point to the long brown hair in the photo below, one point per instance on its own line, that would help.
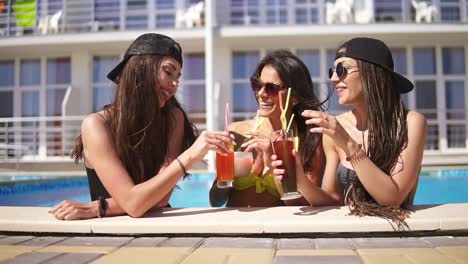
(386, 120)
(140, 129)
(295, 74)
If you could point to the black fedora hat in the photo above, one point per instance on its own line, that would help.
(376, 52)
(148, 44)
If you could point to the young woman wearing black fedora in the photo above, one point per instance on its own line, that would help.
(373, 152)
(140, 145)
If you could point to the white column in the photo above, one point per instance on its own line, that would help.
(209, 68)
(81, 102)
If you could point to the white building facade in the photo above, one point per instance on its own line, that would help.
(53, 68)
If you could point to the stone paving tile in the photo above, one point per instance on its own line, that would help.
(414, 255)
(95, 241)
(459, 253)
(11, 251)
(182, 242)
(42, 241)
(295, 243)
(73, 258)
(13, 240)
(390, 242)
(316, 252)
(318, 259)
(78, 249)
(237, 242)
(146, 242)
(334, 243)
(144, 255)
(32, 258)
(230, 256)
(393, 259)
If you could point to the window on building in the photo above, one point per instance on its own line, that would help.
(193, 87)
(103, 88)
(136, 14)
(165, 13)
(450, 11)
(58, 80)
(311, 58)
(243, 66)
(277, 12)
(453, 61)
(424, 69)
(30, 85)
(306, 12)
(107, 14)
(399, 61)
(388, 10)
(426, 90)
(245, 12)
(7, 77)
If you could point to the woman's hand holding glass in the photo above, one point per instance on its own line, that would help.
(262, 145)
(278, 171)
(211, 140)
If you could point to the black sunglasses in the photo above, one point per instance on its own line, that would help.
(271, 89)
(340, 70)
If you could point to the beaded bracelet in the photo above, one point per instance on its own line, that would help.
(357, 156)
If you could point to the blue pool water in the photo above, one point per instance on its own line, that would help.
(435, 187)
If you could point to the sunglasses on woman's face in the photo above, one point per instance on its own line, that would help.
(271, 89)
(340, 70)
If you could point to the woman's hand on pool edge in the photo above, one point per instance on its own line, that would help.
(71, 210)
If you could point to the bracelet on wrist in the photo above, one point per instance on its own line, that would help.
(186, 174)
(357, 156)
(102, 204)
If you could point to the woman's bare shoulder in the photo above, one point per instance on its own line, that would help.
(416, 120)
(93, 121)
(242, 126)
(415, 116)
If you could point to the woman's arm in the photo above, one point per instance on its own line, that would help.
(387, 190)
(392, 190)
(325, 163)
(135, 200)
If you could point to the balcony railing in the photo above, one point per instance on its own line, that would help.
(33, 17)
(46, 138)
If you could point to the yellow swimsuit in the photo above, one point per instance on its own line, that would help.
(261, 183)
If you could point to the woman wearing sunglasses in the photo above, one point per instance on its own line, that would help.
(373, 152)
(276, 72)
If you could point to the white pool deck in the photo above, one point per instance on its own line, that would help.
(274, 221)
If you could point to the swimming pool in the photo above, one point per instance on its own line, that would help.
(435, 187)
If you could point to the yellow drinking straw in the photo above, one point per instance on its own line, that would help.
(283, 113)
(290, 121)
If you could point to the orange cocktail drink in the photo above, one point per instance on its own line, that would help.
(225, 169)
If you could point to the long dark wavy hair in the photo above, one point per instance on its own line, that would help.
(140, 129)
(295, 74)
(388, 137)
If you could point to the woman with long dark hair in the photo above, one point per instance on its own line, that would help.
(140, 145)
(276, 72)
(373, 152)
